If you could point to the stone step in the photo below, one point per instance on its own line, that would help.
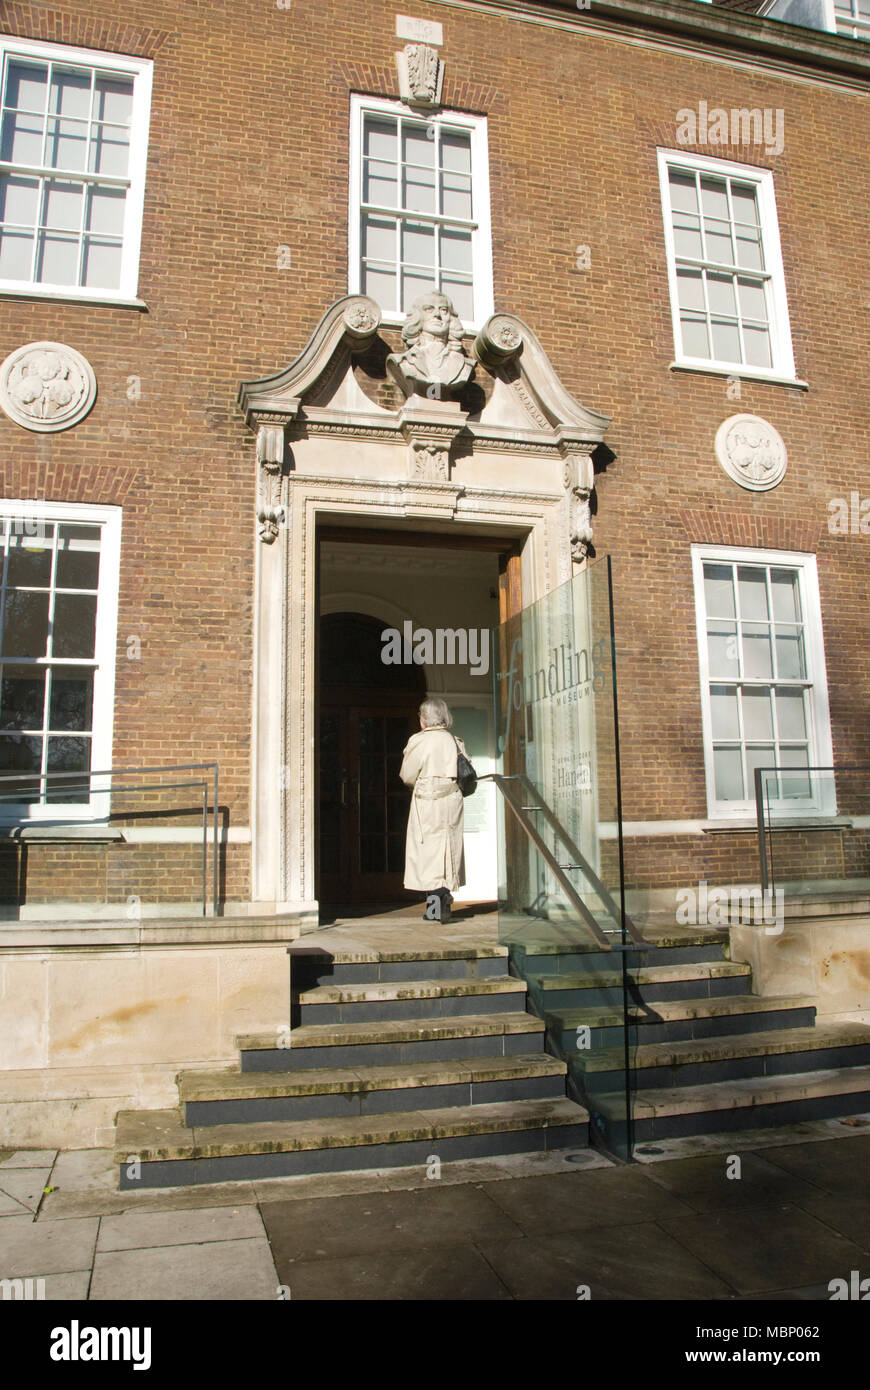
(311, 966)
(392, 1042)
(171, 1154)
(678, 1019)
(675, 947)
(656, 982)
(422, 998)
(233, 1097)
(747, 1103)
(706, 1061)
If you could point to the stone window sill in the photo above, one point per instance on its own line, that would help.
(794, 823)
(61, 833)
(739, 374)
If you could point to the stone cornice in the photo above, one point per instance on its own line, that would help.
(707, 30)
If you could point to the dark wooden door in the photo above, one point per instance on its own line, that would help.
(363, 803)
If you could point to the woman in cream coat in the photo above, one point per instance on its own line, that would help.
(434, 858)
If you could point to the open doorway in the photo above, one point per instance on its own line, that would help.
(401, 616)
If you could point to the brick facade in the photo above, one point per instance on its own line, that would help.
(248, 152)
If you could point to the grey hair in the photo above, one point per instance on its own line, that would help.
(434, 712)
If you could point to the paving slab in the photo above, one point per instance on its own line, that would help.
(29, 1158)
(25, 1185)
(452, 1273)
(703, 1183)
(613, 1262)
(378, 1222)
(46, 1247)
(216, 1270)
(576, 1201)
(142, 1230)
(848, 1216)
(10, 1206)
(839, 1167)
(762, 1249)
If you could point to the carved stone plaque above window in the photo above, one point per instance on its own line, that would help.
(46, 387)
(421, 75)
(751, 451)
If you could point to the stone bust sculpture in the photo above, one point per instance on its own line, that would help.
(435, 357)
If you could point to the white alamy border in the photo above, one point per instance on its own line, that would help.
(141, 70)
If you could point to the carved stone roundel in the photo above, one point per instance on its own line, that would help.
(751, 451)
(46, 387)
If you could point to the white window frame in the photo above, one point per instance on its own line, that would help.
(481, 244)
(852, 26)
(105, 648)
(141, 70)
(781, 351)
(821, 754)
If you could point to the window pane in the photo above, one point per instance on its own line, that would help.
(749, 254)
(786, 596)
(101, 264)
(728, 774)
(106, 210)
(379, 138)
(720, 293)
(78, 557)
(72, 699)
(752, 592)
(722, 648)
(419, 190)
(759, 756)
(418, 244)
(19, 200)
(790, 663)
(379, 239)
(29, 563)
(68, 755)
(757, 714)
(790, 714)
(414, 283)
(19, 753)
(752, 301)
(16, 255)
(684, 194)
(744, 204)
(74, 625)
(22, 701)
(113, 100)
(757, 344)
(70, 92)
(25, 86)
(795, 784)
(756, 651)
(723, 710)
(381, 286)
(690, 289)
(718, 241)
(719, 591)
(726, 342)
(21, 141)
(57, 261)
(417, 147)
(456, 151)
(456, 250)
(62, 206)
(25, 623)
(380, 184)
(695, 340)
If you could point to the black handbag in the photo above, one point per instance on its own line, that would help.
(465, 773)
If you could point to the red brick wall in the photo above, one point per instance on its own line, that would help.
(249, 151)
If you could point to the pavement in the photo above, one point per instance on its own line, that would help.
(760, 1215)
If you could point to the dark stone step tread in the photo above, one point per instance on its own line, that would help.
(392, 1031)
(741, 1093)
(410, 989)
(160, 1135)
(221, 1085)
(775, 1042)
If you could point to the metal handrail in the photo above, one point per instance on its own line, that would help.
(503, 781)
(85, 785)
(762, 831)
